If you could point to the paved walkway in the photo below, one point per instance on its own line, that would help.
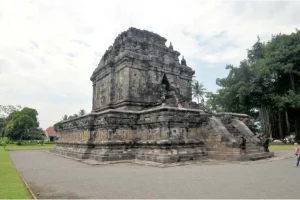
(51, 176)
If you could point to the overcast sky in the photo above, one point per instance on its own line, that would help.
(49, 49)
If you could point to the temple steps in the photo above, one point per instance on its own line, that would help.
(239, 157)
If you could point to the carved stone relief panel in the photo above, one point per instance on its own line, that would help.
(124, 134)
(142, 89)
(134, 86)
(193, 133)
(86, 135)
(142, 134)
(119, 84)
(102, 92)
(175, 132)
(154, 134)
(101, 135)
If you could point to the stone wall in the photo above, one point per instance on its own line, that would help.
(163, 134)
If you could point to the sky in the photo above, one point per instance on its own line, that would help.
(49, 48)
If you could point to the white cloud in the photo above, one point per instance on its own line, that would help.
(50, 48)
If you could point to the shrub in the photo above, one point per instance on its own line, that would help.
(4, 141)
(49, 142)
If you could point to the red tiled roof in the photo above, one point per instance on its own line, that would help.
(50, 131)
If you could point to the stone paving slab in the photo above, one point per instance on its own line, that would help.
(52, 176)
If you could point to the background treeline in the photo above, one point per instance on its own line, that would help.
(266, 85)
(17, 123)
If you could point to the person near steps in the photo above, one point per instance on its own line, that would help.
(297, 153)
(243, 145)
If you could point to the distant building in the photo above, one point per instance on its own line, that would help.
(50, 134)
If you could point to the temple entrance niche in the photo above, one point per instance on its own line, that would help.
(165, 82)
(169, 94)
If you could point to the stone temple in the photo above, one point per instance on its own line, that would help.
(137, 88)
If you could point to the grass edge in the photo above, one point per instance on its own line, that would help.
(28, 190)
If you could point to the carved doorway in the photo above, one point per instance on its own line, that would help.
(165, 82)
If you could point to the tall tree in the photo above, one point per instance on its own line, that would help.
(21, 124)
(2, 119)
(198, 91)
(266, 85)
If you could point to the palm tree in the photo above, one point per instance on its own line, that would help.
(198, 91)
(82, 112)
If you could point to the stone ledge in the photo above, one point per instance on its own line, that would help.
(132, 142)
(205, 161)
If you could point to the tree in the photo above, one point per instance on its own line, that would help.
(82, 112)
(21, 124)
(198, 91)
(266, 86)
(65, 117)
(2, 119)
(75, 115)
(6, 110)
(4, 141)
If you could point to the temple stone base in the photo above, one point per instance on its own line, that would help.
(101, 152)
(172, 151)
(166, 151)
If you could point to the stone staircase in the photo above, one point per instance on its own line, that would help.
(253, 150)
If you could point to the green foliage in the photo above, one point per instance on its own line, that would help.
(56, 126)
(198, 91)
(82, 112)
(21, 124)
(8, 109)
(276, 147)
(266, 86)
(12, 186)
(42, 142)
(65, 117)
(27, 146)
(2, 119)
(4, 141)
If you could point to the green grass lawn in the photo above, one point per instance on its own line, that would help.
(29, 146)
(281, 147)
(11, 184)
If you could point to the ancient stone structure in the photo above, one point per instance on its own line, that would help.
(137, 88)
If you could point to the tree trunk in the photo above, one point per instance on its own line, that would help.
(292, 81)
(297, 126)
(279, 123)
(265, 121)
(268, 123)
(287, 122)
(262, 120)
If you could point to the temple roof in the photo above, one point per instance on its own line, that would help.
(140, 44)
